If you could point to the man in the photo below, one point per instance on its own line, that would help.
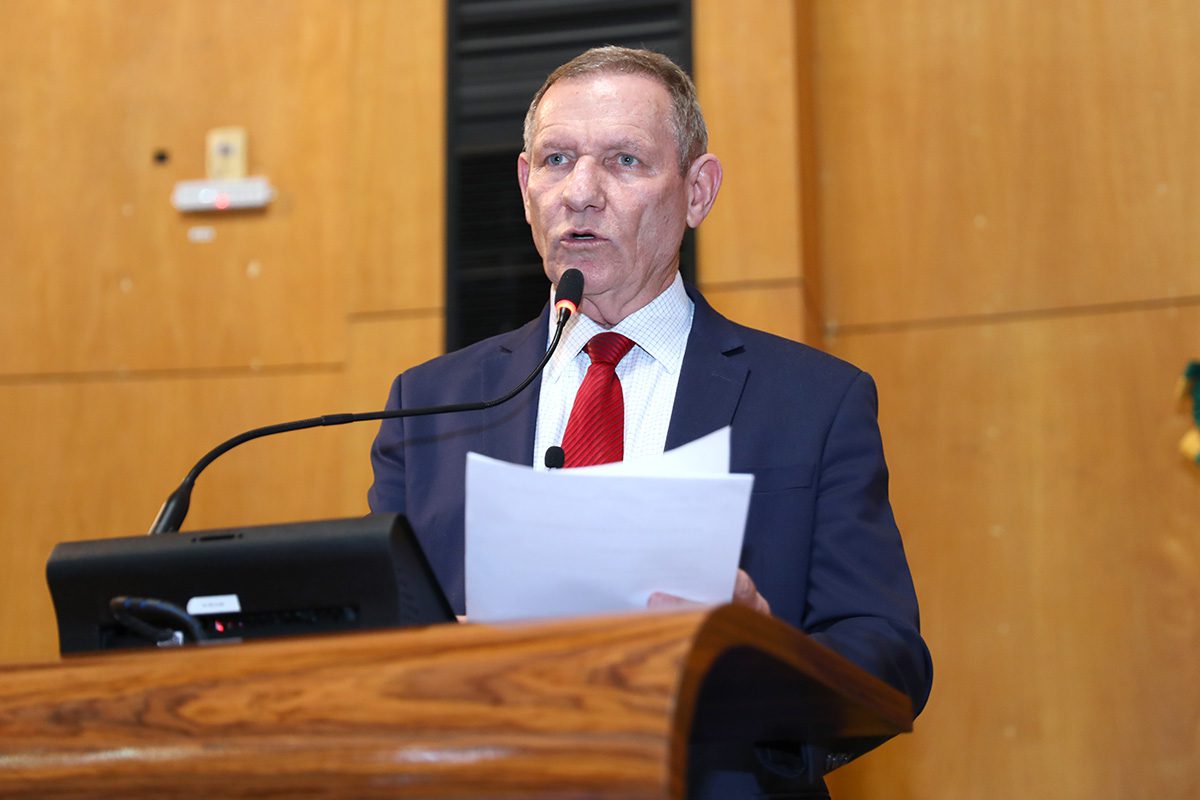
(614, 167)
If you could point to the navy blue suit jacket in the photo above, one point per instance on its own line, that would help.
(821, 542)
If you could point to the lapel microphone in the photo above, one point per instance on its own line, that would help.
(555, 457)
(567, 297)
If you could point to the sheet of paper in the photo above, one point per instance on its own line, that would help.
(602, 539)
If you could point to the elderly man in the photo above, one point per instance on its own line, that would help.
(614, 167)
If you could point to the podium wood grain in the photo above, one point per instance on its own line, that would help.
(598, 707)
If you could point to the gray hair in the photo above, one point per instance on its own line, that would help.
(687, 121)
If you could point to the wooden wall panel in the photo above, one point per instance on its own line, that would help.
(104, 276)
(380, 349)
(746, 73)
(751, 73)
(777, 309)
(132, 351)
(96, 458)
(1007, 210)
(1051, 528)
(980, 157)
(397, 196)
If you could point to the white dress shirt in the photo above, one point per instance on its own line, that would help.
(649, 373)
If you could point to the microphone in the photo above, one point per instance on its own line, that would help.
(555, 457)
(567, 296)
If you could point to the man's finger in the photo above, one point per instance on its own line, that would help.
(746, 593)
(664, 600)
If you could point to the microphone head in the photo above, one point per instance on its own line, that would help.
(569, 292)
(555, 457)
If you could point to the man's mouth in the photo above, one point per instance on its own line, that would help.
(581, 236)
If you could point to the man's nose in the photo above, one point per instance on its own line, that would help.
(583, 188)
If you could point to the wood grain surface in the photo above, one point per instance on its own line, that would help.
(1010, 245)
(131, 350)
(599, 707)
(981, 157)
(752, 70)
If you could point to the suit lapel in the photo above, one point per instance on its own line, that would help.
(711, 379)
(710, 371)
(509, 428)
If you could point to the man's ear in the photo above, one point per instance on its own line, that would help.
(703, 183)
(523, 180)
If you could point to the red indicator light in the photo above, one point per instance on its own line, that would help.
(220, 626)
(221, 202)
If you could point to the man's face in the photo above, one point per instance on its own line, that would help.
(603, 192)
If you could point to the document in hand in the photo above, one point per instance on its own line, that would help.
(603, 539)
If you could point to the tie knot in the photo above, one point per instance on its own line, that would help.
(608, 348)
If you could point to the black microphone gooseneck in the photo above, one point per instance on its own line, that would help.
(170, 517)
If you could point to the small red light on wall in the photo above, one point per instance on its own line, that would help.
(201, 196)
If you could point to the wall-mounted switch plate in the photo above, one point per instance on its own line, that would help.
(225, 154)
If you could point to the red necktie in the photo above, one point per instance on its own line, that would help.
(596, 430)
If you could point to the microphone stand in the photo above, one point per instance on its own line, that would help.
(174, 510)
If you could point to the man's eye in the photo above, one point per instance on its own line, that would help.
(626, 160)
(556, 159)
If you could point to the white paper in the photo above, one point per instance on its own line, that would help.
(602, 539)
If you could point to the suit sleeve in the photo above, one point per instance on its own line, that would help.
(387, 461)
(861, 600)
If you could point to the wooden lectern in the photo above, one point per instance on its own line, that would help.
(592, 707)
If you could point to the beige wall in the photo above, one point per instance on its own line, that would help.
(1009, 241)
(990, 205)
(993, 207)
(132, 350)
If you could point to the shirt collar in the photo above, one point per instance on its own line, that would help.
(660, 328)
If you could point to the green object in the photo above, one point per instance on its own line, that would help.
(1192, 376)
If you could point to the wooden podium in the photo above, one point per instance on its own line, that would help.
(592, 707)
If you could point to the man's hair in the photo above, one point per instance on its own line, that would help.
(687, 122)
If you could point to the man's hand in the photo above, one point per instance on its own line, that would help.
(744, 592)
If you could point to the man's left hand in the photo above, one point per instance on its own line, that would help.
(744, 593)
